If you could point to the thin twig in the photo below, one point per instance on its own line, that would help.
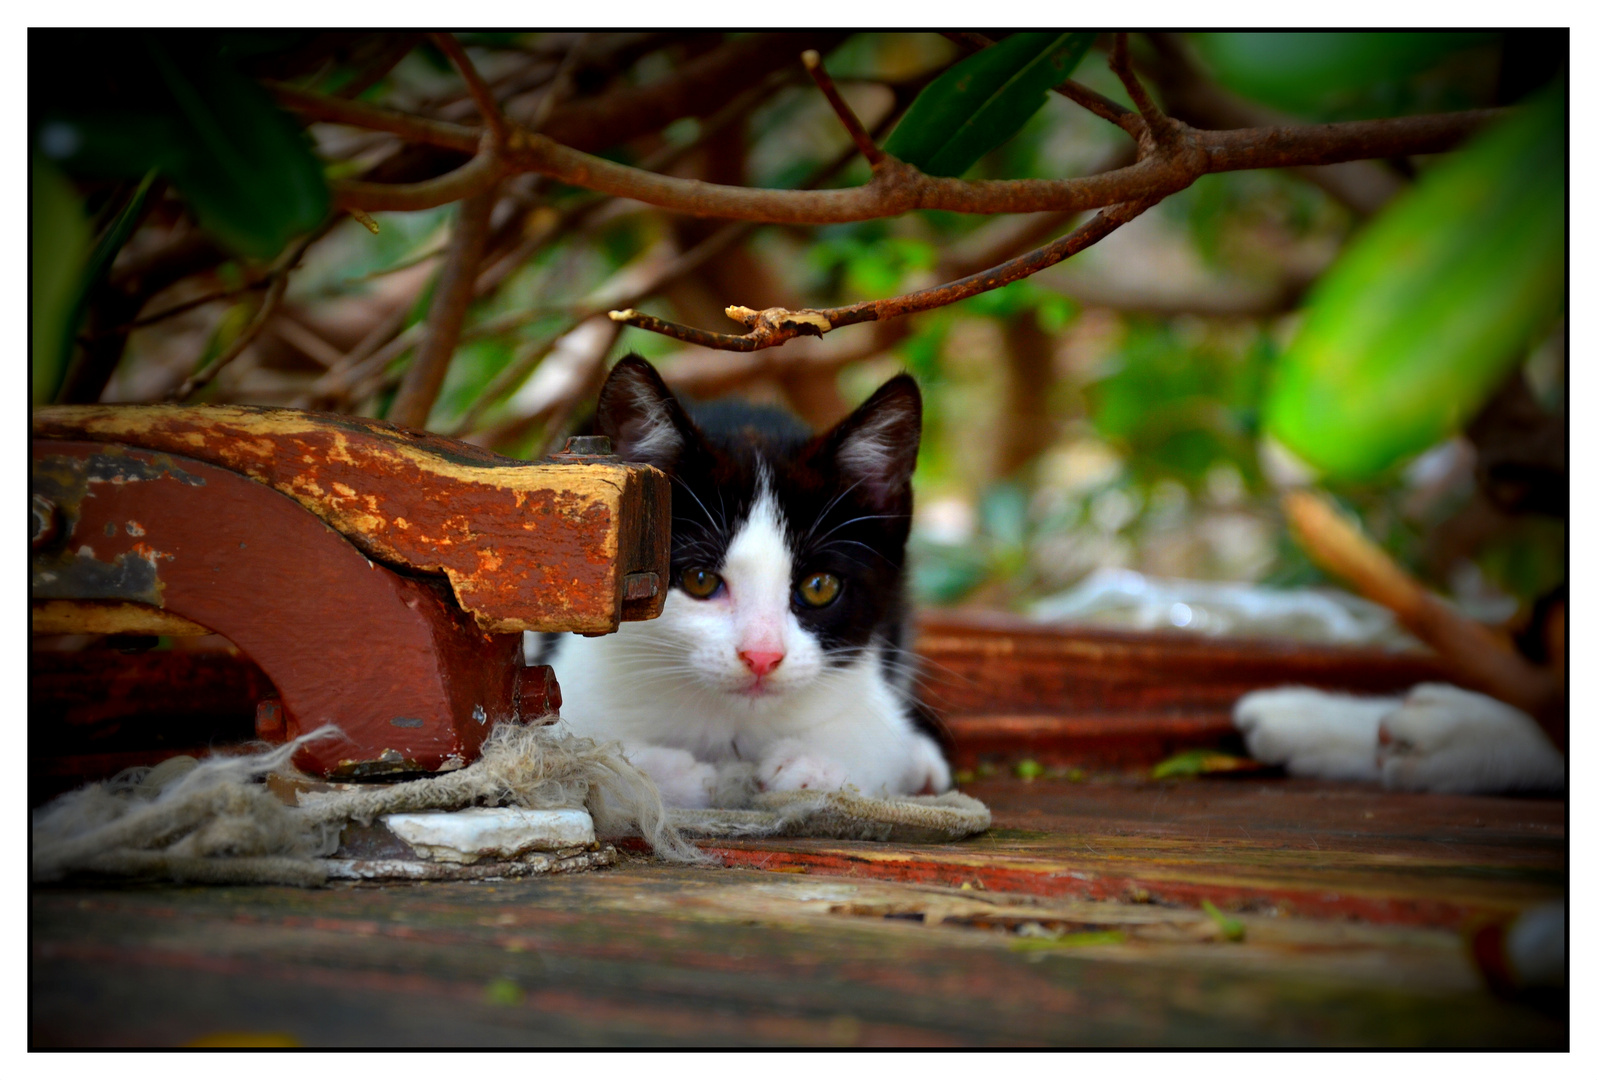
(856, 130)
(185, 306)
(1159, 126)
(774, 326)
(360, 114)
(559, 86)
(451, 297)
(274, 296)
(484, 97)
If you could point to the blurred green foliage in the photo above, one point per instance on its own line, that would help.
(1433, 304)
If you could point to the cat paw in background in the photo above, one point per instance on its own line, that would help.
(1437, 738)
(1446, 739)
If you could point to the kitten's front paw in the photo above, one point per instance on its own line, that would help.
(682, 779)
(1443, 738)
(1311, 732)
(791, 768)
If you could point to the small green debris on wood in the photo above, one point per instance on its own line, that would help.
(1028, 769)
(503, 992)
(1069, 941)
(1230, 929)
(1200, 763)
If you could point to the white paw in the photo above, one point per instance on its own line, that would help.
(1446, 739)
(790, 768)
(1311, 732)
(928, 772)
(682, 779)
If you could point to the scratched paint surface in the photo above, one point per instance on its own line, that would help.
(1314, 848)
(816, 943)
(525, 546)
(656, 955)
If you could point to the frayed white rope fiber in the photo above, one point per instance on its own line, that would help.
(216, 823)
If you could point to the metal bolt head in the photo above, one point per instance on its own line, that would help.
(583, 450)
(588, 444)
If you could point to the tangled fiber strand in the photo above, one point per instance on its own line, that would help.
(216, 824)
(212, 822)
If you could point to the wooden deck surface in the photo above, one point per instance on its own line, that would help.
(1352, 901)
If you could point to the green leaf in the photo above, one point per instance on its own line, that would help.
(1080, 939)
(60, 235)
(98, 264)
(1427, 311)
(982, 101)
(1230, 929)
(247, 169)
(1309, 72)
(1202, 763)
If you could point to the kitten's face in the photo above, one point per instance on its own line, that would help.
(786, 548)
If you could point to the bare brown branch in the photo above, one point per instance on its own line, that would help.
(451, 298)
(418, 129)
(480, 93)
(856, 130)
(1158, 126)
(202, 377)
(775, 326)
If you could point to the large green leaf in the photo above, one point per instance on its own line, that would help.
(1428, 310)
(60, 240)
(1312, 71)
(177, 103)
(982, 101)
(248, 171)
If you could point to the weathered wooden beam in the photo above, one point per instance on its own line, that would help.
(412, 682)
(577, 542)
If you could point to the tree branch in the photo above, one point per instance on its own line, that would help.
(484, 97)
(451, 298)
(274, 296)
(773, 326)
(856, 130)
(359, 114)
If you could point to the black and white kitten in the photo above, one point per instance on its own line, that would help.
(781, 644)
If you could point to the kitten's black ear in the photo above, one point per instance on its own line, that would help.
(875, 446)
(644, 421)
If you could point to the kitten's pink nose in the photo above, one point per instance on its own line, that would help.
(761, 663)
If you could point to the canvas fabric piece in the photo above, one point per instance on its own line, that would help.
(213, 822)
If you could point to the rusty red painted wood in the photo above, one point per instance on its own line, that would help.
(546, 546)
(1007, 686)
(413, 682)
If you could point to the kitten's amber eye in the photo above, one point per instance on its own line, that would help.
(818, 590)
(700, 583)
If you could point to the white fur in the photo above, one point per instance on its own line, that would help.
(652, 437)
(1437, 738)
(869, 452)
(676, 683)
